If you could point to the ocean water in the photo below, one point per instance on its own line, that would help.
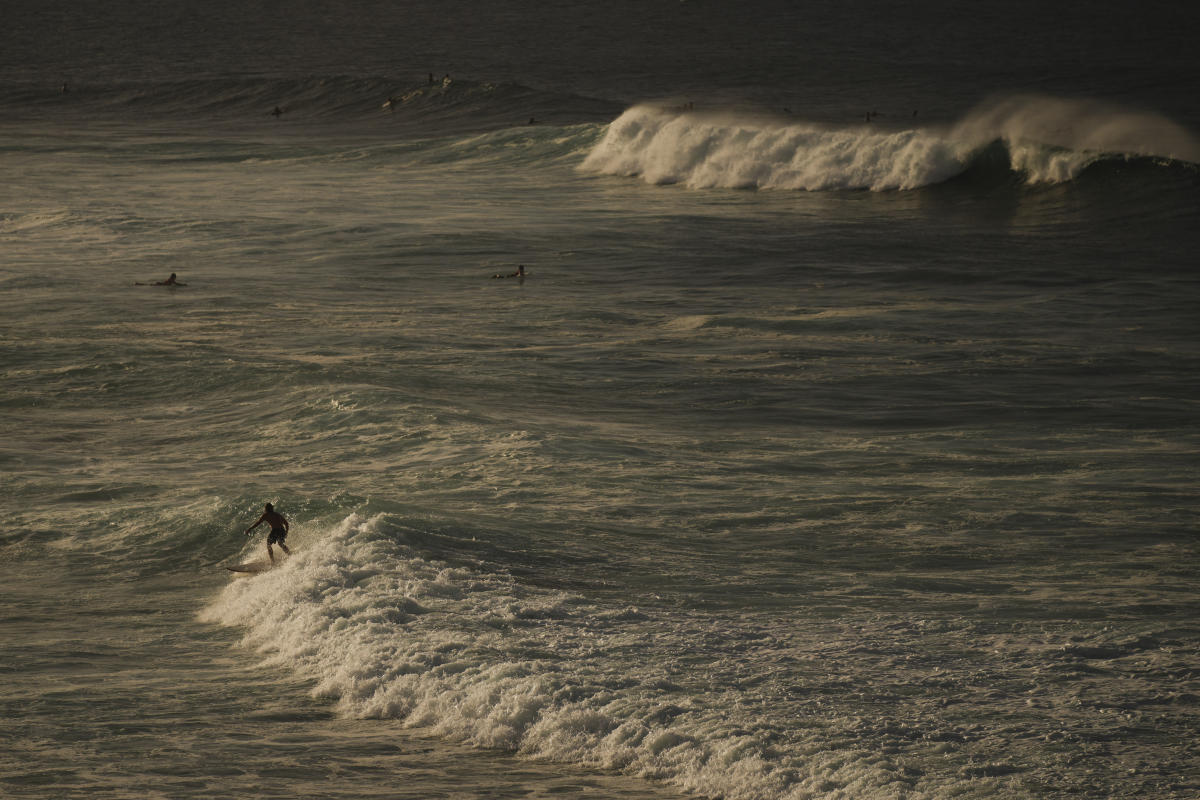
(840, 443)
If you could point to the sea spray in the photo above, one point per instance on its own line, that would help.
(1081, 127)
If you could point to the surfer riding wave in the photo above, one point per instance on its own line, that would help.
(279, 530)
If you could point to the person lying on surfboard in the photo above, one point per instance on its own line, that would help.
(171, 281)
(520, 273)
(279, 530)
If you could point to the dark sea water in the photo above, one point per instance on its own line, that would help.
(840, 442)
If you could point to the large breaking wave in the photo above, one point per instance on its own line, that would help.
(1045, 140)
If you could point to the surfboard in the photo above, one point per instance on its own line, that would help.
(251, 567)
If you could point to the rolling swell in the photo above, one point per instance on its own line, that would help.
(336, 99)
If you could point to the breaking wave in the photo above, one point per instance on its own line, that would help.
(1044, 140)
(472, 656)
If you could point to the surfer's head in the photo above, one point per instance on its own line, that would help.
(270, 507)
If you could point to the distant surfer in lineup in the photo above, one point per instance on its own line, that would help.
(171, 281)
(520, 273)
(279, 530)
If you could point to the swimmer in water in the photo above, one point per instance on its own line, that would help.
(520, 273)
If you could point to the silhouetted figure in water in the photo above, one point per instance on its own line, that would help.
(171, 281)
(277, 112)
(279, 530)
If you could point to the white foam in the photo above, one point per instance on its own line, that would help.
(476, 657)
(1050, 140)
(705, 151)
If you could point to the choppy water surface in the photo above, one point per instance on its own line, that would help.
(815, 457)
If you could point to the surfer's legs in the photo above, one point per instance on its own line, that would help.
(282, 546)
(276, 537)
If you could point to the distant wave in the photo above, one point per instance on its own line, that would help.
(1037, 140)
(1044, 140)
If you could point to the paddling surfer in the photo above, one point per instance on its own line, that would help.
(279, 530)
(171, 281)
